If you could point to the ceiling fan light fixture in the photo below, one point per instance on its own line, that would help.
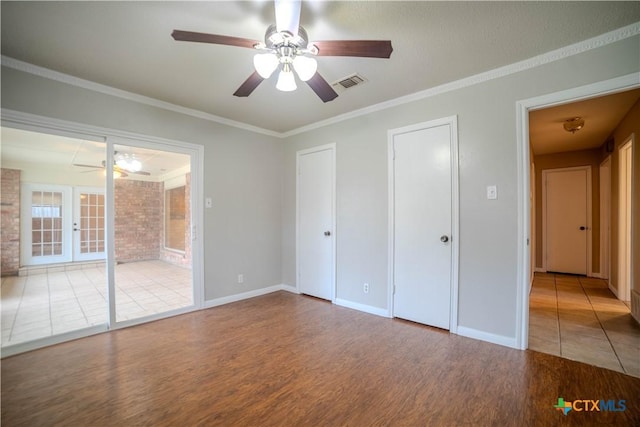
(265, 64)
(128, 162)
(286, 79)
(288, 15)
(305, 67)
(574, 124)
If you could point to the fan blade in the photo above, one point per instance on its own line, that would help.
(360, 48)
(140, 173)
(322, 88)
(190, 36)
(88, 166)
(288, 15)
(249, 85)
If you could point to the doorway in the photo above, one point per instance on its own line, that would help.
(61, 224)
(625, 211)
(99, 254)
(566, 222)
(423, 222)
(570, 303)
(605, 220)
(315, 219)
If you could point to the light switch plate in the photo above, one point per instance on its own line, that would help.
(492, 192)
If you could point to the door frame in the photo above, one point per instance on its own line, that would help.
(36, 123)
(545, 173)
(625, 219)
(77, 256)
(523, 107)
(331, 147)
(452, 121)
(605, 220)
(26, 239)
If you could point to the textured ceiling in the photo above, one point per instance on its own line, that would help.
(127, 45)
(601, 116)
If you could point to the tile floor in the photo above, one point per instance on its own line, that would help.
(41, 305)
(579, 318)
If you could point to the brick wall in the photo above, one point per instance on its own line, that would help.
(10, 222)
(174, 257)
(138, 221)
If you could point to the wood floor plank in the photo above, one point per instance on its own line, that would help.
(284, 359)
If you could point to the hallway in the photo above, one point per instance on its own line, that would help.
(579, 318)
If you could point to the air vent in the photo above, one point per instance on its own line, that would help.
(349, 82)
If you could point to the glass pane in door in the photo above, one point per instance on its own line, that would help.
(152, 203)
(51, 291)
(46, 223)
(89, 225)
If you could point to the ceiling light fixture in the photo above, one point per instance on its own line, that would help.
(289, 52)
(128, 162)
(574, 124)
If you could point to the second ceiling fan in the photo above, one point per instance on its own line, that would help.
(287, 47)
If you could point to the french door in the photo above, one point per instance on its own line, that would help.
(88, 224)
(62, 224)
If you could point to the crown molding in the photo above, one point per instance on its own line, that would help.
(545, 58)
(536, 61)
(130, 96)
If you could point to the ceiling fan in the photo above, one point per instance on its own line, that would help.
(123, 164)
(287, 47)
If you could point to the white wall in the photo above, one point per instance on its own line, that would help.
(251, 178)
(487, 143)
(242, 174)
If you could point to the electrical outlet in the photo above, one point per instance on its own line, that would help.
(240, 278)
(365, 288)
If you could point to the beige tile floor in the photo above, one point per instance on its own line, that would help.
(579, 318)
(41, 305)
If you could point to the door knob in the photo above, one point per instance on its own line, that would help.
(444, 238)
(582, 228)
(327, 233)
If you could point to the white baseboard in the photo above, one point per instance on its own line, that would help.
(289, 288)
(362, 307)
(614, 290)
(246, 295)
(485, 336)
(539, 270)
(14, 349)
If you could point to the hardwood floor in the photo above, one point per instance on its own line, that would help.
(285, 359)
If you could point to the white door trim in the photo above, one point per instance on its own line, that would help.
(605, 220)
(77, 255)
(589, 230)
(26, 257)
(625, 221)
(523, 107)
(331, 147)
(452, 121)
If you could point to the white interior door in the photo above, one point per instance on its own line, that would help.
(46, 234)
(422, 211)
(605, 218)
(88, 224)
(316, 239)
(566, 225)
(625, 213)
